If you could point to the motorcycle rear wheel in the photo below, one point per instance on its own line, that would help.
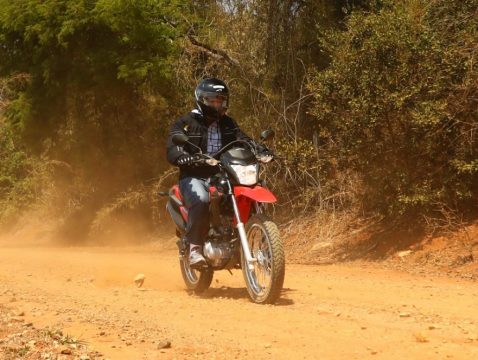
(197, 281)
(265, 281)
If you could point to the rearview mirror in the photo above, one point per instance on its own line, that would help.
(267, 135)
(180, 139)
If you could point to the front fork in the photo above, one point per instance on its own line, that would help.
(242, 235)
(241, 230)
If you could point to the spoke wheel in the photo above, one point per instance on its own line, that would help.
(264, 282)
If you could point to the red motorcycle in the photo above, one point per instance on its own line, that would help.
(241, 235)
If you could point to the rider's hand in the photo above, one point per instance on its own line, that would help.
(185, 160)
(266, 156)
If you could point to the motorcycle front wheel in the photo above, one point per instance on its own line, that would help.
(197, 281)
(264, 282)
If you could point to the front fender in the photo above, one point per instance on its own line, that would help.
(246, 195)
(256, 193)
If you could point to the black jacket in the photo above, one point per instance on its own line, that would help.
(195, 127)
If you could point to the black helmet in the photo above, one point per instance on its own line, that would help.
(212, 97)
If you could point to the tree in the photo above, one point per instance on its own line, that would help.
(99, 95)
(386, 106)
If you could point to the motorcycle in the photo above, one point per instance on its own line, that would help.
(241, 235)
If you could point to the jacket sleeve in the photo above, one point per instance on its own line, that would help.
(175, 151)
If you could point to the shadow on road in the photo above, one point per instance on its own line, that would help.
(227, 292)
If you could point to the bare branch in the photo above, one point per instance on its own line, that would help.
(214, 52)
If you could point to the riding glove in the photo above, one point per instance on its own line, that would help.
(185, 160)
(266, 156)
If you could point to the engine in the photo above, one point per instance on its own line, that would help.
(217, 253)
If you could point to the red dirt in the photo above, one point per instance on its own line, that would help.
(354, 311)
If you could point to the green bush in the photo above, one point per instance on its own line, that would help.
(398, 104)
(16, 188)
(100, 90)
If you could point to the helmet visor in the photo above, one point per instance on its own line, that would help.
(220, 102)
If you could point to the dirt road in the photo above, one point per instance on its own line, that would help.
(356, 311)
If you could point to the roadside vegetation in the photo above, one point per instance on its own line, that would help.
(374, 104)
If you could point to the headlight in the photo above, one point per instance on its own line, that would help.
(246, 174)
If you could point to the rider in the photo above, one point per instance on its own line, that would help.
(209, 128)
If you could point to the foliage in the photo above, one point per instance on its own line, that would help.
(99, 92)
(387, 105)
(21, 178)
(90, 64)
(374, 102)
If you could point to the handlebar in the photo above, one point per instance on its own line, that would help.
(204, 159)
(211, 160)
(235, 142)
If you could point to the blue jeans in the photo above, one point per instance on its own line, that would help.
(195, 193)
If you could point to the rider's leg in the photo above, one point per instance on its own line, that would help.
(195, 193)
